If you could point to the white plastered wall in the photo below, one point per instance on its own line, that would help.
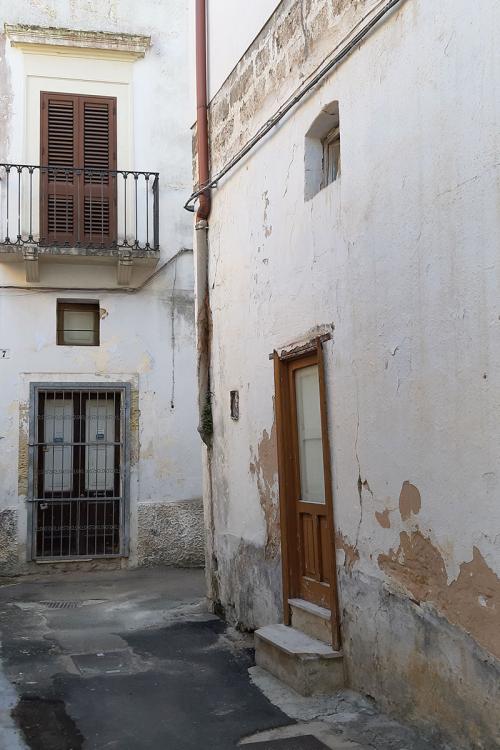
(147, 337)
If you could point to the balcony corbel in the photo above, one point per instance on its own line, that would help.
(124, 269)
(31, 265)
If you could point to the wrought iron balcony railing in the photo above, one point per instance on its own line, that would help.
(57, 206)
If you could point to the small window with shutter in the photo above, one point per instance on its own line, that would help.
(78, 179)
(77, 323)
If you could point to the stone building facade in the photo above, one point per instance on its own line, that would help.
(361, 233)
(99, 454)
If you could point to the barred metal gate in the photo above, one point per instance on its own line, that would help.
(78, 488)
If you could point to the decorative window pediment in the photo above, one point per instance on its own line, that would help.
(75, 42)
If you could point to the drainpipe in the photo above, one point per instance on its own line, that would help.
(201, 234)
(203, 211)
(202, 297)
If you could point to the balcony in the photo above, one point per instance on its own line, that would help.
(64, 211)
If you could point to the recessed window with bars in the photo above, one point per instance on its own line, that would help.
(79, 471)
(78, 173)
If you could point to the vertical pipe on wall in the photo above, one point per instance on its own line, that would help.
(202, 297)
(203, 211)
(201, 233)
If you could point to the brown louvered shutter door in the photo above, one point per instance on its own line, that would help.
(78, 156)
(98, 119)
(58, 182)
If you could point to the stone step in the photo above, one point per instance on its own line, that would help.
(307, 665)
(311, 619)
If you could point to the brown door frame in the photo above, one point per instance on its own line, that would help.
(313, 352)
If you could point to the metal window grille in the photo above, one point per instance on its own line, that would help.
(79, 471)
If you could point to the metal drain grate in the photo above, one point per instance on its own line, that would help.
(62, 605)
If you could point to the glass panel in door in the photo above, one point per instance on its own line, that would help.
(312, 480)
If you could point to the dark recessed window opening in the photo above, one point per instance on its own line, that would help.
(77, 323)
(235, 405)
(331, 157)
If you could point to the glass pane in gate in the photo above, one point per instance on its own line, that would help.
(100, 434)
(58, 451)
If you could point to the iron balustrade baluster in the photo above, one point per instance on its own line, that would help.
(136, 176)
(30, 236)
(66, 202)
(146, 178)
(125, 243)
(19, 170)
(77, 177)
(55, 205)
(102, 210)
(90, 205)
(156, 213)
(7, 236)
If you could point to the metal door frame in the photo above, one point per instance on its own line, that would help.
(125, 391)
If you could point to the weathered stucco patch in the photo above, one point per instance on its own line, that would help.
(351, 552)
(250, 587)
(170, 534)
(135, 414)
(409, 501)
(9, 556)
(383, 518)
(422, 668)
(263, 467)
(267, 227)
(23, 461)
(472, 601)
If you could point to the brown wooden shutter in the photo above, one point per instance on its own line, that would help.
(78, 149)
(58, 182)
(98, 118)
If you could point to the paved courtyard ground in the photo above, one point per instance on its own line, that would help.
(132, 660)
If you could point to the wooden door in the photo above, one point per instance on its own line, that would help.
(78, 170)
(308, 547)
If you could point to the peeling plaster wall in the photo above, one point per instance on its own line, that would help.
(401, 255)
(147, 338)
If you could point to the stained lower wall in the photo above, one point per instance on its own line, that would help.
(9, 542)
(419, 666)
(171, 534)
